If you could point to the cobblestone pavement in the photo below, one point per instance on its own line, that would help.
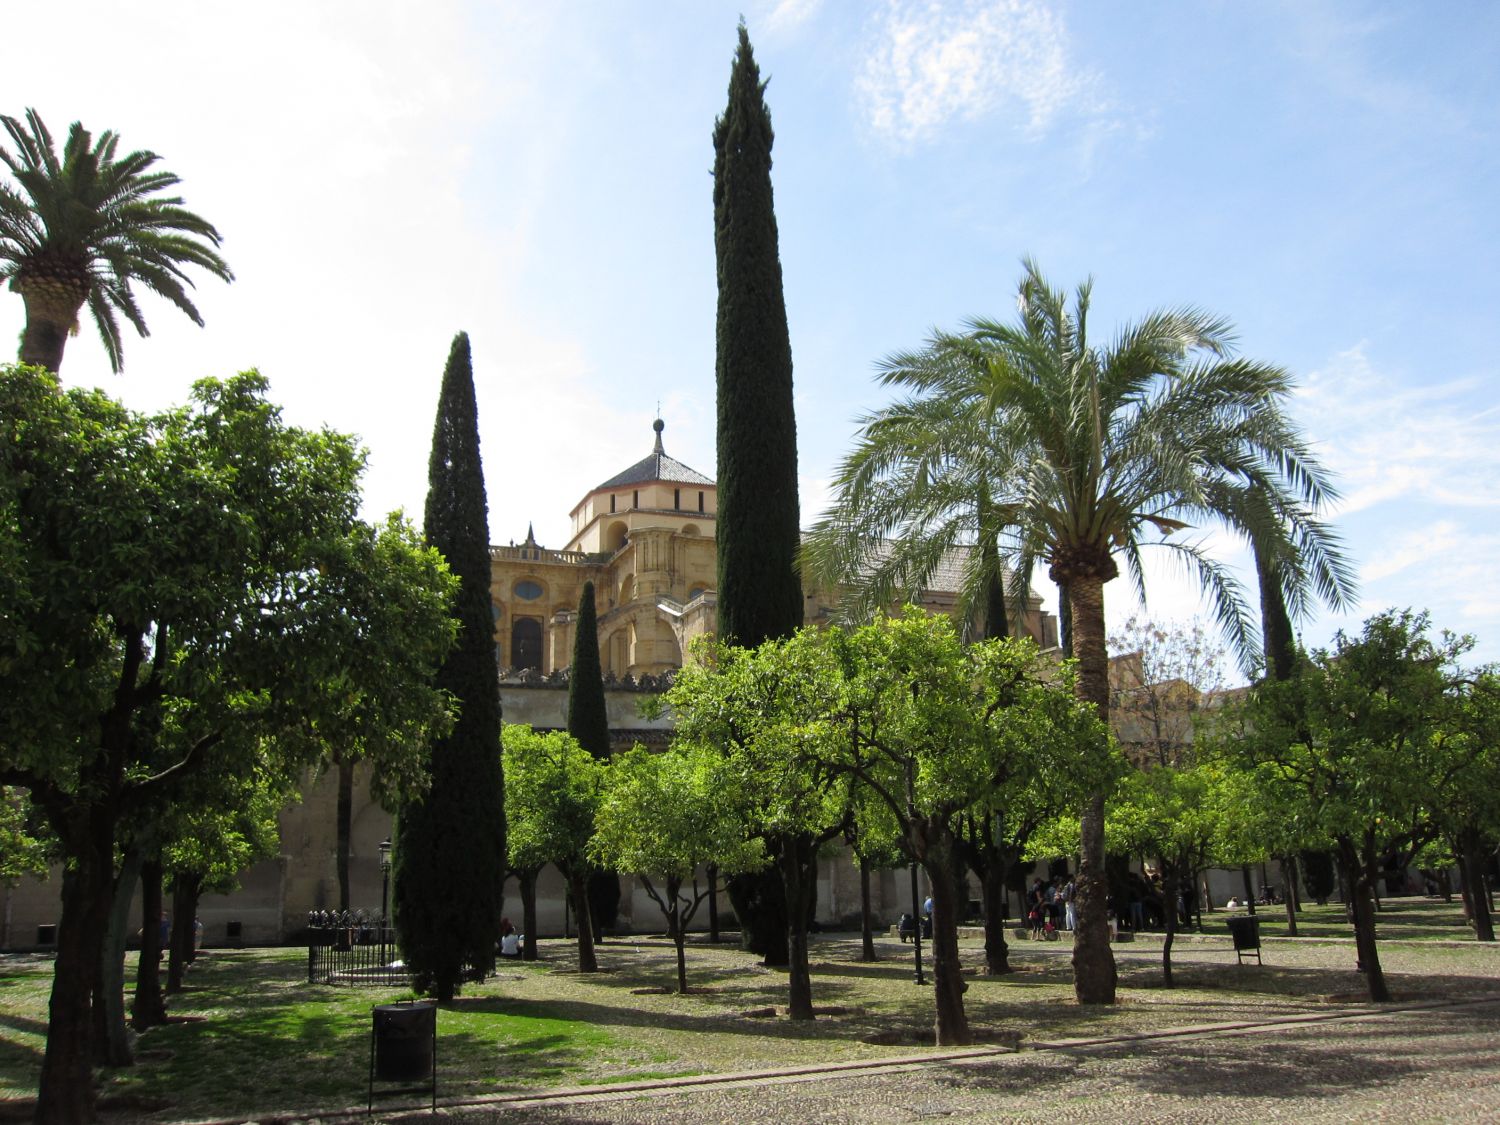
(1430, 1065)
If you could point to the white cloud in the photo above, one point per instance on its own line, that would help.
(931, 63)
(1387, 441)
(788, 15)
(1417, 547)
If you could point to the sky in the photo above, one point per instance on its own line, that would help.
(387, 174)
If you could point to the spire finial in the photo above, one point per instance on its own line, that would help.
(658, 426)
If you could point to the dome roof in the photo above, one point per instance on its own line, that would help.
(656, 466)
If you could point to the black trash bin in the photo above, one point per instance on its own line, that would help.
(404, 1035)
(1245, 930)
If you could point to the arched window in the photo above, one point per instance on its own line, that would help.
(526, 643)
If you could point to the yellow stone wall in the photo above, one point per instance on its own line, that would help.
(658, 559)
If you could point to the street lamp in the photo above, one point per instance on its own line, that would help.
(384, 878)
(916, 937)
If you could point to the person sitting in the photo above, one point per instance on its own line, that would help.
(510, 941)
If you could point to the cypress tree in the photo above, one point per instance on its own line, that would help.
(588, 722)
(760, 594)
(449, 861)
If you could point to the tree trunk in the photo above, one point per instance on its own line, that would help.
(760, 905)
(65, 1092)
(1094, 974)
(1474, 877)
(1249, 888)
(148, 1010)
(1170, 897)
(1276, 625)
(345, 817)
(50, 317)
(111, 1038)
(932, 841)
(866, 921)
(796, 857)
(1289, 877)
(992, 884)
(185, 890)
(527, 883)
(1357, 874)
(675, 924)
(713, 903)
(578, 888)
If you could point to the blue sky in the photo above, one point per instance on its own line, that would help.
(386, 174)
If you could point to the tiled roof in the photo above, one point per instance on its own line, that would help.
(947, 577)
(658, 466)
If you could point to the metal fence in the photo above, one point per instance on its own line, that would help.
(352, 948)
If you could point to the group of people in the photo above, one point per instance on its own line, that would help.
(1052, 906)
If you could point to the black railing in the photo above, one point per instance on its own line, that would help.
(352, 948)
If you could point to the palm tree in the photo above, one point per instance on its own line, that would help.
(83, 229)
(1086, 454)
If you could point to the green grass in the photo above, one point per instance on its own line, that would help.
(255, 1039)
(1404, 919)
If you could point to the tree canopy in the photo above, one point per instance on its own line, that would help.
(183, 594)
(1079, 456)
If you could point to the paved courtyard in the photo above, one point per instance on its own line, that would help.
(1413, 1064)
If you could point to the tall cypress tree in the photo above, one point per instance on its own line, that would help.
(450, 846)
(588, 722)
(760, 594)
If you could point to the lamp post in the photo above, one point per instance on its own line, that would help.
(916, 937)
(916, 914)
(385, 887)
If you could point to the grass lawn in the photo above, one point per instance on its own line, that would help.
(1406, 919)
(253, 1038)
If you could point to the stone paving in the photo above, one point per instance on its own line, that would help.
(1426, 1064)
(1434, 1056)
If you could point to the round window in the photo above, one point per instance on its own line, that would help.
(528, 590)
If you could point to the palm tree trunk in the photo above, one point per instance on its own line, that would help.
(1094, 974)
(50, 317)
